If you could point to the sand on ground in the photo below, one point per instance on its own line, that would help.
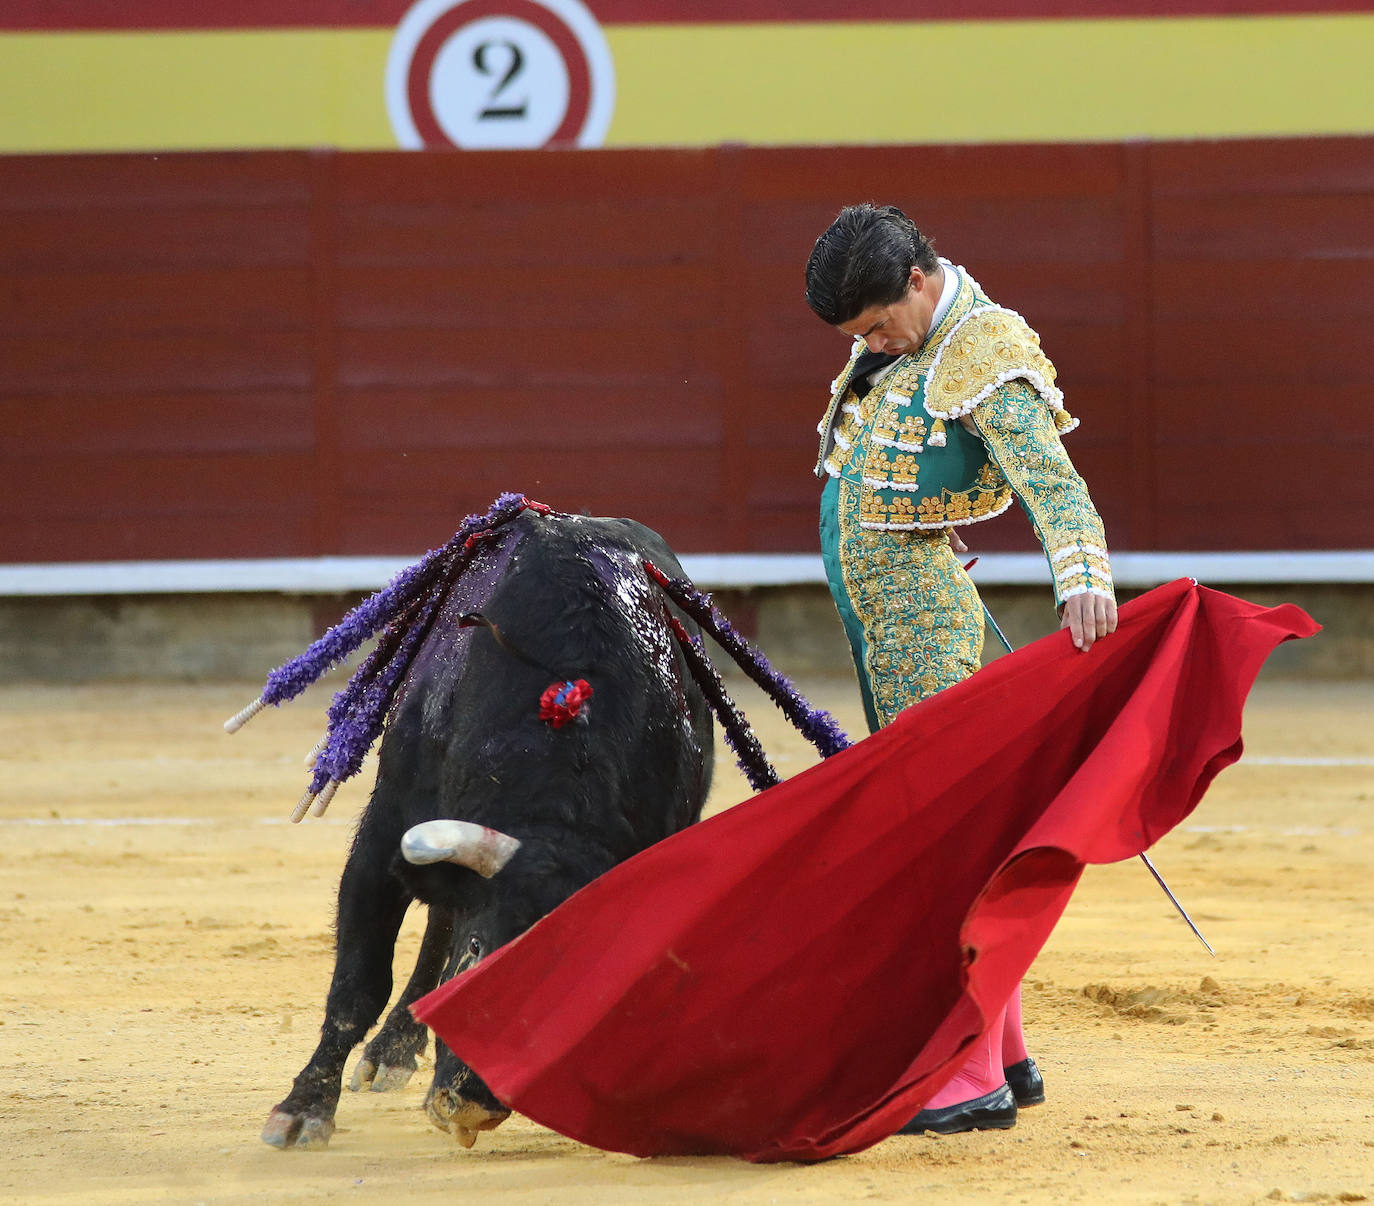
(166, 944)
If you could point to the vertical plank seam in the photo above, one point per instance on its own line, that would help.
(732, 362)
(324, 492)
(1140, 362)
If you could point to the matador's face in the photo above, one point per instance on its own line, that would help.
(903, 326)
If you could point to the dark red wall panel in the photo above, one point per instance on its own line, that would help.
(305, 353)
(259, 14)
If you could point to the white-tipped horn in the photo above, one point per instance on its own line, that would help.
(480, 849)
(239, 719)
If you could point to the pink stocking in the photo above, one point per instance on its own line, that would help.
(979, 1076)
(1013, 1040)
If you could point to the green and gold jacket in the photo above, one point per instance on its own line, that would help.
(904, 443)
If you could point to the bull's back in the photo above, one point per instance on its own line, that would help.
(570, 600)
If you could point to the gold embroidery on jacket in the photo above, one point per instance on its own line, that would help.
(922, 620)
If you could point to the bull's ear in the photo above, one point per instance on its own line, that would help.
(479, 849)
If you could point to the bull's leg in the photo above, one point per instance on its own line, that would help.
(388, 1061)
(372, 904)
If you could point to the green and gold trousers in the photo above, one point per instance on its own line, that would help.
(912, 615)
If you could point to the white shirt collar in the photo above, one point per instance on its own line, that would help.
(948, 292)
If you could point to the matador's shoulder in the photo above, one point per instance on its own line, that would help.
(987, 348)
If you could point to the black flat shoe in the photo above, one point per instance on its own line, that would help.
(1026, 1083)
(995, 1111)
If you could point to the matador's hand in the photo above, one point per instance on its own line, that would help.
(955, 541)
(1088, 618)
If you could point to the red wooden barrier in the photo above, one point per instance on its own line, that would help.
(271, 354)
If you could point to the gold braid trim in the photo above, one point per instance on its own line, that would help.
(987, 348)
(1023, 443)
(921, 615)
(838, 388)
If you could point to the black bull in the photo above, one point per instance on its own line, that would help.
(569, 599)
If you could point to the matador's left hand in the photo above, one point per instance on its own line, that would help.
(1088, 618)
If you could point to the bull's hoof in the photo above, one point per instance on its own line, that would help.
(386, 1079)
(460, 1117)
(388, 1061)
(285, 1129)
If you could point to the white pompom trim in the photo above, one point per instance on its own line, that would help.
(900, 445)
(1073, 550)
(1051, 395)
(1082, 569)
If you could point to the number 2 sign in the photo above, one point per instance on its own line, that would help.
(499, 73)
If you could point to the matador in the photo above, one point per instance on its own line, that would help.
(946, 413)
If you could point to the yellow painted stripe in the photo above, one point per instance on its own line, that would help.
(695, 85)
(166, 91)
(994, 81)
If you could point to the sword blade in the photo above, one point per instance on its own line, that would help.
(1182, 912)
(997, 628)
(1159, 879)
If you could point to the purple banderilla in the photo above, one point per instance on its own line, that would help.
(815, 724)
(401, 615)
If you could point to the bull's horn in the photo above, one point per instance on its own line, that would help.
(480, 849)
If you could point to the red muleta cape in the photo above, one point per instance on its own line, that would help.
(793, 978)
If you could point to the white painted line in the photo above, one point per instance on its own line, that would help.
(1304, 761)
(1214, 569)
(173, 822)
(712, 571)
(307, 575)
(187, 822)
(1285, 831)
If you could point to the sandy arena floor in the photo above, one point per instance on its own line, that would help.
(166, 949)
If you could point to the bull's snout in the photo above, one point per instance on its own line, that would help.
(461, 1117)
(480, 849)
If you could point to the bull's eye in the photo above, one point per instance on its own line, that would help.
(475, 947)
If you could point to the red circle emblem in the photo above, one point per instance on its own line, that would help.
(419, 72)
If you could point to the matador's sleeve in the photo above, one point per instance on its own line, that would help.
(1023, 441)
